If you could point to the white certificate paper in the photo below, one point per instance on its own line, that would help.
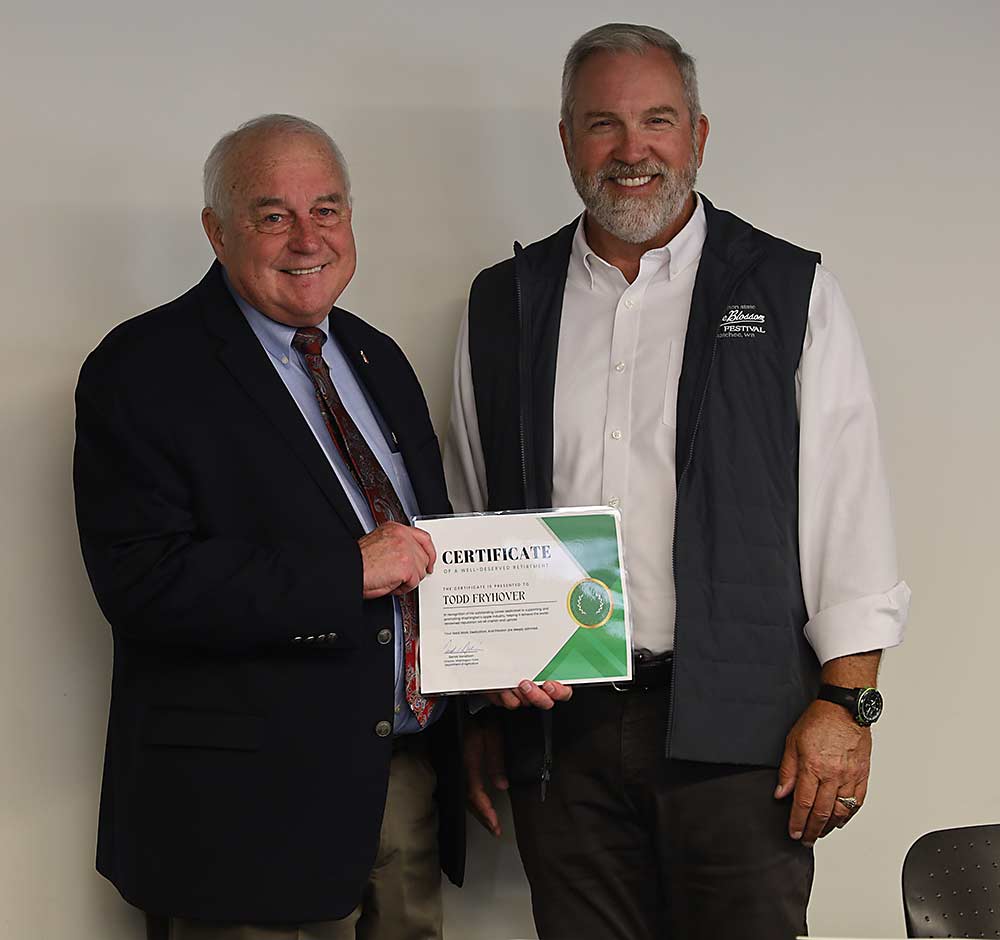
(536, 595)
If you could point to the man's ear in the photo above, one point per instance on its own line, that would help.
(701, 135)
(213, 227)
(564, 137)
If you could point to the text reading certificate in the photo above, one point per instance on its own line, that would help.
(524, 596)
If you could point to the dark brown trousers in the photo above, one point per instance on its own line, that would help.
(628, 845)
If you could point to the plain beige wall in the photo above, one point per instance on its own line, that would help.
(866, 130)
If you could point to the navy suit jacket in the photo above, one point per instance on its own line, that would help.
(243, 777)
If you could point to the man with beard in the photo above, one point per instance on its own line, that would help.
(664, 357)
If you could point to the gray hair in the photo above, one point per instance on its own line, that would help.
(217, 173)
(625, 37)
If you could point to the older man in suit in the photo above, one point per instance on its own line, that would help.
(248, 457)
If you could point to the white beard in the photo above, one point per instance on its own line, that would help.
(636, 219)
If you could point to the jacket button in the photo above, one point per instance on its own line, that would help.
(321, 638)
(331, 638)
(296, 639)
(384, 636)
(383, 729)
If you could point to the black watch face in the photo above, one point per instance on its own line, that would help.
(869, 706)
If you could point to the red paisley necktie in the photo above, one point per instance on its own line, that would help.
(371, 478)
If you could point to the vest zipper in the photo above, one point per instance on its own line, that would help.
(523, 375)
(680, 479)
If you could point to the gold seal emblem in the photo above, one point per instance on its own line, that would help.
(589, 603)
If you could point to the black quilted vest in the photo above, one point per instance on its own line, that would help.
(743, 670)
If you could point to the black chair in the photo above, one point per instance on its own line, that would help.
(951, 883)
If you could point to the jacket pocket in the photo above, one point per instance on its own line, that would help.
(199, 728)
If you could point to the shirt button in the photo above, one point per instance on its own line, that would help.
(383, 729)
(616, 434)
(614, 502)
(630, 303)
(397, 710)
(284, 360)
(384, 636)
(619, 367)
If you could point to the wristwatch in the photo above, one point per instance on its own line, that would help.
(865, 705)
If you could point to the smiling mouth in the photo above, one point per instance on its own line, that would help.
(298, 272)
(632, 181)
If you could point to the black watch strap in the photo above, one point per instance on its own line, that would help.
(841, 696)
(863, 704)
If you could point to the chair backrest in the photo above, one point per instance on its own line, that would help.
(951, 883)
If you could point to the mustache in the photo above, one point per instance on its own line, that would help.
(616, 169)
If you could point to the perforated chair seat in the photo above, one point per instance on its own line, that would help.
(951, 883)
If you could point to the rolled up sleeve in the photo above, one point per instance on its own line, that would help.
(854, 596)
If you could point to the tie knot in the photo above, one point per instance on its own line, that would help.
(309, 340)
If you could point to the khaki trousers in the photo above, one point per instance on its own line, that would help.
(402, 900)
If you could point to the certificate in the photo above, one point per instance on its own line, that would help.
(524, 595)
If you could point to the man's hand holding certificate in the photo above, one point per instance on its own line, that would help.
(516, 595)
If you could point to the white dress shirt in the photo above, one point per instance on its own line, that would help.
(620, 352)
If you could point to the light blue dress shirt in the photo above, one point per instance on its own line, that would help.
(276, 338)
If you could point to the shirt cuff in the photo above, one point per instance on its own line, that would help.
(875, 622)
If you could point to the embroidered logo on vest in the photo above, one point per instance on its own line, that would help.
(742, 321)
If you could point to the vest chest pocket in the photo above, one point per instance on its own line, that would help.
(671, 381)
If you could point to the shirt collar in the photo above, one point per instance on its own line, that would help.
(680, 252)
(275, 337)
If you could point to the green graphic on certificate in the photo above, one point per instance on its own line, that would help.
(596, 648)
(524, 595)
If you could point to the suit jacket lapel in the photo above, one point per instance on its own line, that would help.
(383, 386)
(244, 357)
